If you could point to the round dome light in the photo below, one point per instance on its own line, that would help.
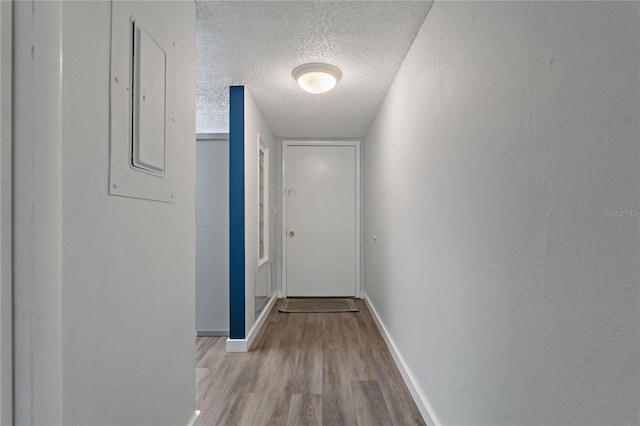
(317, 78)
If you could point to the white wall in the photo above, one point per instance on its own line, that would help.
(212, 236)
(6, 282)
(509, 132)
(37, 204)
(113, 330)
(255, 124)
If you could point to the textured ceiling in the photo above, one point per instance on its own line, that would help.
(258, 44)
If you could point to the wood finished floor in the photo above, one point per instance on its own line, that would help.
(304, 369)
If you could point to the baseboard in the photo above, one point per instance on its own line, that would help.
(212, 333)
(237, 345)
(195, 420)
(418, 396)
(260, 321)
(243, 345)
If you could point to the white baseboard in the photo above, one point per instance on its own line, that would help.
(421, 401)
(195, 420)
(212, 333)
(243, 345)
(237, 345)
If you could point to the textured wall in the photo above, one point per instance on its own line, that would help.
(493, 171)
(127, 264)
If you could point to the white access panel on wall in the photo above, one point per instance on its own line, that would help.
(142, 120)
(148, 102)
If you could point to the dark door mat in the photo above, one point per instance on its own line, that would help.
(295, 305)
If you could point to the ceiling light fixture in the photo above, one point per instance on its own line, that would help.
(317, 78)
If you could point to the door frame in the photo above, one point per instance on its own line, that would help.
(350, 143)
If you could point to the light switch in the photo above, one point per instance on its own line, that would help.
(149, 103)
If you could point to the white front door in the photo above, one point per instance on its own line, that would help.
(321, 236)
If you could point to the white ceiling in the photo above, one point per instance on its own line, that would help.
(258, 44)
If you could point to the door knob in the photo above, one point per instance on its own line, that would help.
(291, 234)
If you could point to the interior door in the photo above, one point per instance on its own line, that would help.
(320, 233)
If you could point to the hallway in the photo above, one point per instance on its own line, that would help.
(499, 198)
(331, 369)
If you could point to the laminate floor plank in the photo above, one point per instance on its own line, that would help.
(269, 336)
(206, 393)
(207, 349)
(289, 373)
(305, 410)
(309, 363)
(267, 371)
(332, 337)
(358, 356)
(273, 409)
(242, 372)
(401, 406)
(304, 369)
(292, 327)
(371, 409)
(241, 409)
(337, 403)
(368, 328)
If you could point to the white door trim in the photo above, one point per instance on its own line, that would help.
(351, 143)
(6, 238)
